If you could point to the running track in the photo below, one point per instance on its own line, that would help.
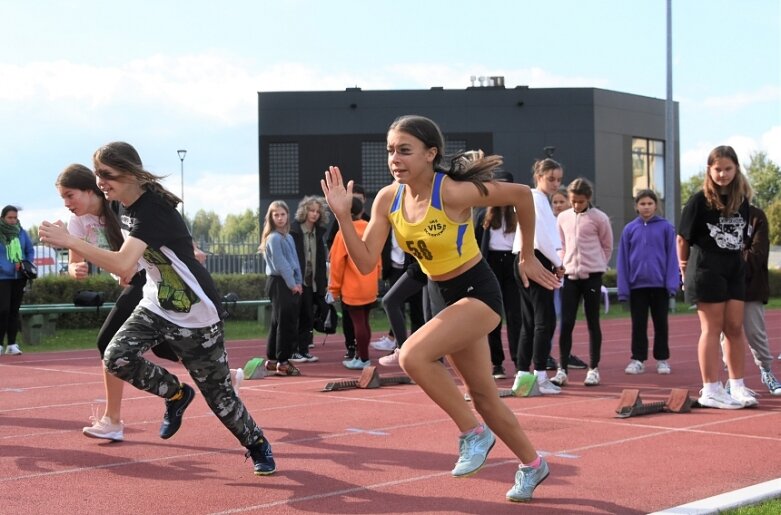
(387, 450)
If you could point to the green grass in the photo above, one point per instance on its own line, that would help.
(70, 339)
(771, 507)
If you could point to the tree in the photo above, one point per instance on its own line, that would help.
(765, 178)
(691, 186)
(241, 228)
(773, 212)
(206, 226)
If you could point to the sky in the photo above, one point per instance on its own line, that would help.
(166, 75)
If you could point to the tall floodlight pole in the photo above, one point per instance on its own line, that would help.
(669, 127)
(182, 153)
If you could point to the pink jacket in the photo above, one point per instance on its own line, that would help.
(586, 242)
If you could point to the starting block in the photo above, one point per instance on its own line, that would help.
(256, 368)
(631, 405)
(527, 387)
(369, 379)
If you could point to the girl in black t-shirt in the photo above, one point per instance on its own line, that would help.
(712, 227)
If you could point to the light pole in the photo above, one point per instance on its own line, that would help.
(182, 153)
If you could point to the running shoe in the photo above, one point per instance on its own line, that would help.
(237, 376)
(13, 350)
(745, 396)
(262, 457)
(592, 377)
(384, 344)
(526, 480)
(635, 367)
(498, 372)
(719, 399)
(356, 364)
(663, 367)
(297, 358)
(769, 380)
(546, 386)
(174, 411)
(391, 359)
(473, 450)
(575, 362)
(560, 379)
(105, 429)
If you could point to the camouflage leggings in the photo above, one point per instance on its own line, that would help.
(202, 352)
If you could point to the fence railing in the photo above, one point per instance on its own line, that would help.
(223, 258)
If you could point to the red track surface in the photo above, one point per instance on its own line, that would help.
(387, 450)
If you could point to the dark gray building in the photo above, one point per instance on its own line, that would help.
(616, 140)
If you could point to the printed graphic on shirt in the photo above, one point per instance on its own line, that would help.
(172, 293)
(435, 227)
(728, 233)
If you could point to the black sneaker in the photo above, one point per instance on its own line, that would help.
(551, 364)
(174, 410)
(575, 362)
(498, 372)
(262, 457)
(309, 358)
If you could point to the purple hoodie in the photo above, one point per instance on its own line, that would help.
(647, 257)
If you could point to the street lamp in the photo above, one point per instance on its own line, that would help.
(182, 153)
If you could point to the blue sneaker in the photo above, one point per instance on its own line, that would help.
(473, 450)
(526, 480)
(174, 411)
(262, 457)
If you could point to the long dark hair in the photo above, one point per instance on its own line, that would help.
(737, 190)
(123, 157)
(79, 177)
(470, 166)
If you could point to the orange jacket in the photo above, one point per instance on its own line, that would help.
(346, 281)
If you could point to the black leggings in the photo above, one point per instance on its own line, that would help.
(406, 289)
(658, 301)
(11, 293)
(590, 290)
(538, 322)
(283, 332)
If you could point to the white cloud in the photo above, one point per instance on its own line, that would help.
(743, 99)
(693, 159)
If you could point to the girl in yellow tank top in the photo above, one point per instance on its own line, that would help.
(431, 216)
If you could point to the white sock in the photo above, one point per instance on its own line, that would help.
(542, 375)
(711, 387)
(735, 384)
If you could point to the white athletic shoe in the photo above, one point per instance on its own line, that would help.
(592, 377)
(546, 386)
(745, 396)
(384, 344)
(237, 376)
(103, 428)
(719, 399)
(663, 367)
(13, 350)
(635, 367)
(560, 379)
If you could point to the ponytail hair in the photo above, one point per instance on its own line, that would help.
(581, 186)
(472, 166)
(79, 177)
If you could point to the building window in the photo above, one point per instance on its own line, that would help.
(648, 166)
(374, 166)
(283, 169)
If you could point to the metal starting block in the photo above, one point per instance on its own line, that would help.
(630, 404)
(369, 378)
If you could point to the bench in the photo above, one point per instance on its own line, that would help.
(40, 320)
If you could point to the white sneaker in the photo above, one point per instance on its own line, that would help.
(13, 350)
(719, 399)
(356, 364)
(745, 396)
(592, 377)
(384, 343)
(663, 368)
(391, 359)
(237, 376)
(560, 379)
(103, 428)
(546, 387)
(635, 367)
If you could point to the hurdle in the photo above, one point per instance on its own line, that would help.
(631, 405)
(370, 378)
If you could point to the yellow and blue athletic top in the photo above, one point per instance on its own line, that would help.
(439, 244)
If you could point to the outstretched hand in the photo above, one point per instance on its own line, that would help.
(339, 197)
(532, 269)
(54, 234)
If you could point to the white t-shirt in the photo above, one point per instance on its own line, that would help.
(89, 229)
